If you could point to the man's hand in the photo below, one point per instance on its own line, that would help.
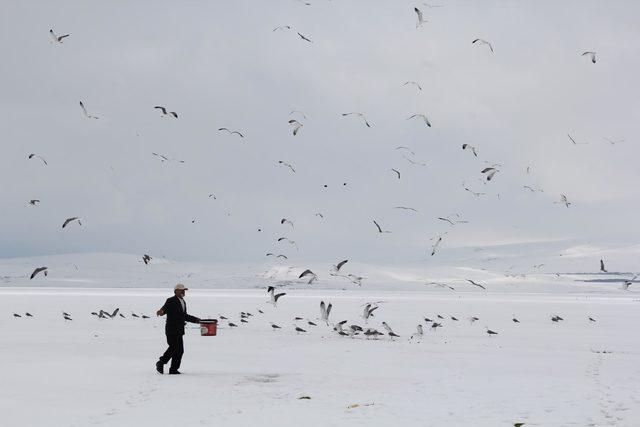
(160, 312)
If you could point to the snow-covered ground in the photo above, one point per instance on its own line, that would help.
(101, 371)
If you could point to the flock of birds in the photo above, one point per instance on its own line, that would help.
(296, 122)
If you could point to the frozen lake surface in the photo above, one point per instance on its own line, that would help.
(101, 371)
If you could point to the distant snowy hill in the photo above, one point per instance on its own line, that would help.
(544, 267)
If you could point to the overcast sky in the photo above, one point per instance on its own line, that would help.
(220, 64)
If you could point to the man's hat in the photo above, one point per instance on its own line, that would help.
(180, 287)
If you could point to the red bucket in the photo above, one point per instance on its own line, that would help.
(208, 327)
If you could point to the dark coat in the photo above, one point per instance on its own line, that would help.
(176, 317)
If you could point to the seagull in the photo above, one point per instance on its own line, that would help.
(604, 270)
(419, 333)
(627, 283)
(564, 200)
(305, 38)
(361, 115)
(286, 221)
(476, 284)
(296, 126)
(146, 259)
(397, 172)
(454, 222)
(438, 240)
(355, 279)
(614, 142)
(39, 270)
(441, 285)
(406, 208)
(56, 38)
(533, 190)
(406, 148)
(325, 311)
(68, 220)
(368, 312)
(490, 332)
(470, 147)
(340, 264)
(291, 242)
(591, 319)
(483, 42)
(380, 228)
(274, 326)
(389, 330)
(299, 329)
(16, 315)
(232, 132)
(283, 163)
(471, 191)
(299, 112)
(85, 112)
(423, 117)
(33, 202)
(31, 156)
(165, 113)
(592, 55)
(232, 325)
(282, 27)
(28, 314)
(413, 83)
(574, 141)
(274, 297)
(420, 17)
(514, 319)
(490, 172)
(308, 273)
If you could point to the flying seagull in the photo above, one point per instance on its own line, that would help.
(282, 27)
(470, 147)
(604, 270)
(574, 141)
(406, 208)
(308, 273)
(68, 220)
(305, 38)
(299, 112)
(296, 125)
(476, 284)
(286, 221)
(273, 296)
(414, 84)
(325, 311)
(480, 41)
(423, 117)
(380, 228)
(564, 200)
(421, 19)
(361, 115)
(490, 172)
(33, 202)
(231, 132)
(471, 191)
(397, 172)
(453, 222)
(57, 38)
(339, 265)
(89, 116)
(38, 270)
(533, 190)
(31, 156)
(165, 113)
(627, 283)
(368, 312)
(592, 55)
(146, 259)
(283, 163)
(435, 246)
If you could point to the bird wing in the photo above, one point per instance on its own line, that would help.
(174, 114)
(396, 171)
(53, 35)
(341, 263)
(378, 226)
(164, 110)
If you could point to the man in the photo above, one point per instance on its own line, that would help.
(176, 310)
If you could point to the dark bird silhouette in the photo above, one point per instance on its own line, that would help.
(146, 259)
(604, 270)
(165, 113)
(490, 332)
(16, 315)
(68, 220)
(87, 115)
(476, 284)
(231, 132)
(39, 270)
(56, 38)
(305, 38)
(591, 319)
(380, 228)
(31, 156)
(274, 326)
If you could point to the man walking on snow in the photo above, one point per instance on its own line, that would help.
(176, 310)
